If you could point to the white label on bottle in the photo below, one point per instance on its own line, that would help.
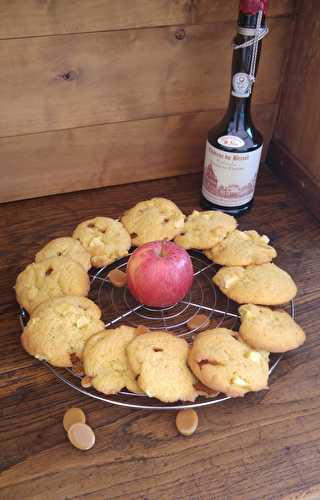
(231, 141)
(229, 178)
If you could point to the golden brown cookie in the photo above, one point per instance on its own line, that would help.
(105, 239)
(50, 278)
(65, 247)
(105, 360)
(160, 361)
(59, 328)
(223, 362)
(242, 248)
(203, 230)
(269, 330)
(153, 220)
(266, 284)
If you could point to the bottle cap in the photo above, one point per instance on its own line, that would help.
(253, 6)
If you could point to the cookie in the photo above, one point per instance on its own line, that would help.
(105, 239)
(203, 230)
(105, 360)
(59, 329)
(266, 284)
(269, 330)
(223, 362)
(65, 247)
(48, 279)
(160, 361)
(242, 248)
(153, 220)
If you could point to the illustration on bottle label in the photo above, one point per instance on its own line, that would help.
(229, 178)
(231, 141)
(241, 85)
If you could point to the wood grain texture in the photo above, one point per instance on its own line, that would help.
(286, 166)
(105, 155)
(52, 17)
(265, 446)
(62, 82)
(298, 126)
(312, 493)
(210, 11)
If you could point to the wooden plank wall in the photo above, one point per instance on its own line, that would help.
(295, 149)
(107, 92)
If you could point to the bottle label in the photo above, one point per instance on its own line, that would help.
(229, 178)
(231, 141)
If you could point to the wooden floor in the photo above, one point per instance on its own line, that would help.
(265, 446)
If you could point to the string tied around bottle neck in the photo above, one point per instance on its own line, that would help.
(259, 34)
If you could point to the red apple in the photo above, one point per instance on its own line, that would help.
(159, 273)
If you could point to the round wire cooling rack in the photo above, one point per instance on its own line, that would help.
(119, 307)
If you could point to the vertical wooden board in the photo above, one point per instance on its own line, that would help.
(298, 127)
(35, 17)
(296, 174)
(90, 157)
(68, 81)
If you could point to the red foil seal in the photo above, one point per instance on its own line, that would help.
(253, 6)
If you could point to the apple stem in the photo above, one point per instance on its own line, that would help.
(162, 251)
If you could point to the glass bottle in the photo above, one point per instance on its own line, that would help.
(234, 146)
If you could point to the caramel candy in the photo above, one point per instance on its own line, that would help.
(72, 416)
(187, 421)
(118, 278)
(81, 436)
(86, 382)
(204, 390)
(141, 329)
(199, 321)
(77, 367)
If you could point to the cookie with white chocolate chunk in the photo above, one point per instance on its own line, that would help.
(225, 363)
(268, 329)
(159, 360)
(203, 230)
(153, 220)
(50, 278)
(242, 248)
(59, 329)
(266, 284)
(105, 360)
(104, 238)
(65, 247)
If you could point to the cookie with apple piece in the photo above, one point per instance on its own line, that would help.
(153, 220)
(242, 248)
(50, 278)
(265, 284)
(203, 230)
(159, 360)
(104, 238)
(65, 247)
(225, 363)
(58, 330)
(268, 329)
(105, 360)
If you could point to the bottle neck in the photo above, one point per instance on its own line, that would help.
(241, 86)
(239, 112)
